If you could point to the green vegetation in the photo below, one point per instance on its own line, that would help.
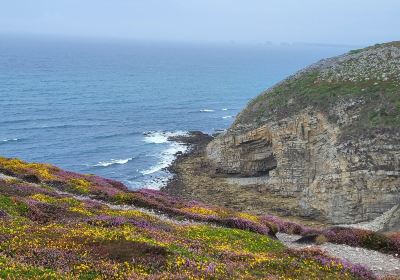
(373, 80)
(233, 239)
(355, 51)
(12, 206)
(298, 94)
(45, 234)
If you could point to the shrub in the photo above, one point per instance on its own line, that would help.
(124, 198)
(359, 271)
(80, 186)
(12, 206)
(395, 241)
(348, 236)
(320, 239)
(127, 251)
(21, 168)
(376, 241)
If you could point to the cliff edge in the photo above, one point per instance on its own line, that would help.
(328, 136)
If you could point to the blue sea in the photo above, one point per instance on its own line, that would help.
(108, 107)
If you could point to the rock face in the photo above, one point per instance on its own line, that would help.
(393, 222)
(328, 136)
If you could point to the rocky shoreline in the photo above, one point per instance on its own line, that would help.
(196, 178)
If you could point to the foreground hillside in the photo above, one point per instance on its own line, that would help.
(61, 225)
(325, 140)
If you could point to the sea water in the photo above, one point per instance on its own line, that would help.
(108, 108)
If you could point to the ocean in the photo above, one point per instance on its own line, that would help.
(108, 107)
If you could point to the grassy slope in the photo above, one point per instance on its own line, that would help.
(46, 234)
(359, 76)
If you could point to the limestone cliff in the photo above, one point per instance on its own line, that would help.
(328, 136)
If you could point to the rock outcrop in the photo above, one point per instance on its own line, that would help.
(328, 136)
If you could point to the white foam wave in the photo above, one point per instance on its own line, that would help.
(227, 117)
(225, 109)
(113, 162)
(10, 140)
(207, 110)
(166, 158)
(157, 183)
(160, 137)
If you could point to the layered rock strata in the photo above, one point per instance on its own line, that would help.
(328, 136)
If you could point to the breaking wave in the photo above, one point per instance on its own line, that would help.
(10, 140)
(167, 155)
(113, 162)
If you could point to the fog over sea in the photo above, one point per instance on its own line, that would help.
(107, 108)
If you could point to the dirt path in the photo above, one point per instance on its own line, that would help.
(125, 207)
(379, 263)
(149, 212)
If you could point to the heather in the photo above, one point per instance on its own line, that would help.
(62, 225)
(385, 243)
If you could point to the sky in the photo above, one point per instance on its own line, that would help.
(343, 22)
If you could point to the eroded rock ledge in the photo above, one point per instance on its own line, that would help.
(334, 156)
(342, 182)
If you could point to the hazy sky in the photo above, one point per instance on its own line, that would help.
(354, 22)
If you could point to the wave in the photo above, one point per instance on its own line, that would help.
(113, 162)
(160, 137)
(207, 110)
(225, 109)
(167, 156)
(10, 140)
(61, 126)
(115, 135)
(227, 117)
(156, 183)
(28, 120)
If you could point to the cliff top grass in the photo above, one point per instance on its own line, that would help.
(77, 226)
(364, 83)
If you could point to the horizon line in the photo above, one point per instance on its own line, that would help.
(266, 43)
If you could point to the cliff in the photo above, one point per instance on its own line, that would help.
(328, 136)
